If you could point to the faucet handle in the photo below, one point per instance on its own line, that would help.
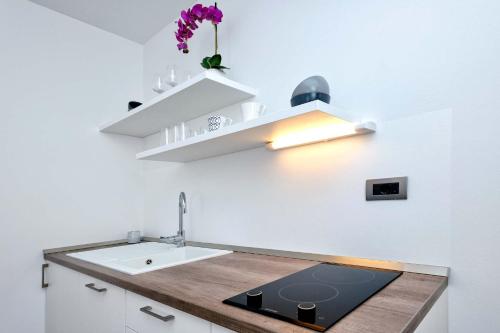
(177, 240)
(169, 238)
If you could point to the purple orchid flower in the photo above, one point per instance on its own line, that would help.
(214, 14)
(183, 31)
(189, 20)
(182, 34)
(198, 12)
(182, 46)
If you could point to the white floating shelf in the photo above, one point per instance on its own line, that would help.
(311, 119)
(200, 95)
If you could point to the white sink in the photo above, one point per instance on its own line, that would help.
(146, 257)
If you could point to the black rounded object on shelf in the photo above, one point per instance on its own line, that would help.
(309, 97)
(311, 89)
(133, 104)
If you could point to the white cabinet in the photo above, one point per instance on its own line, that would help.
(103, 306)
(147, 316)
(63, 300)
(220, 329)
(78, 303)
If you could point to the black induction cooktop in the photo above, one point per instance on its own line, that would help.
(316, 297)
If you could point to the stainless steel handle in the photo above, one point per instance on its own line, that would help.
(44, 284)
(147, 310)
(93, 287)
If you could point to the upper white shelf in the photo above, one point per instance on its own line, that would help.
(204, 93)
(309, 120)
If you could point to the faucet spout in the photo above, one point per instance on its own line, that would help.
(180, 239)
(182, 202)
(182, 211)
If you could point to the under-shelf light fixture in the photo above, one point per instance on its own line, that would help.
(320, 134)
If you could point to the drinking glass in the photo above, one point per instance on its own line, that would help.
(168, 135)
(194, 132)
(159, 84)
(172, 78)
(180, 132)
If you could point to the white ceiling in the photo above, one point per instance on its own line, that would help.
(132, 19)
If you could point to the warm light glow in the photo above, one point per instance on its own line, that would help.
(316, 134)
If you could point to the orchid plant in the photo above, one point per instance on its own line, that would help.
(188, 22)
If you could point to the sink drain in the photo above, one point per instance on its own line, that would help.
(149, 262)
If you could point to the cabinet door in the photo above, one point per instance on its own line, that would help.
(103, 306)
(63, 300)
(148, 322)
(73, 307)
(220, 329)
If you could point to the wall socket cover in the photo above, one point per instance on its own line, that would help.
(387, 189)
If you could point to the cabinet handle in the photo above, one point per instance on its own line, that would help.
(44, 284)
(147, 310)
(92, 286)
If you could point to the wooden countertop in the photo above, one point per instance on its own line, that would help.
(200, 287)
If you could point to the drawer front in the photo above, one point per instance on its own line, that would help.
(74, 307)
(155, 317)
(105, 306)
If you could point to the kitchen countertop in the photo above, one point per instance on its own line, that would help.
(200, 287)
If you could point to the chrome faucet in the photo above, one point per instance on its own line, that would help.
(180, 239)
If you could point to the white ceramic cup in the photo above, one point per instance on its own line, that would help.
(252, 110)
(225, 121)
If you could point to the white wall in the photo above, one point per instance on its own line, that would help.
(393, 61)
(474, 305)
(62, 182)
(312, 198)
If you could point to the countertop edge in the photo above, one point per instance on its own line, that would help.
(345, 260)
(83, 246)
